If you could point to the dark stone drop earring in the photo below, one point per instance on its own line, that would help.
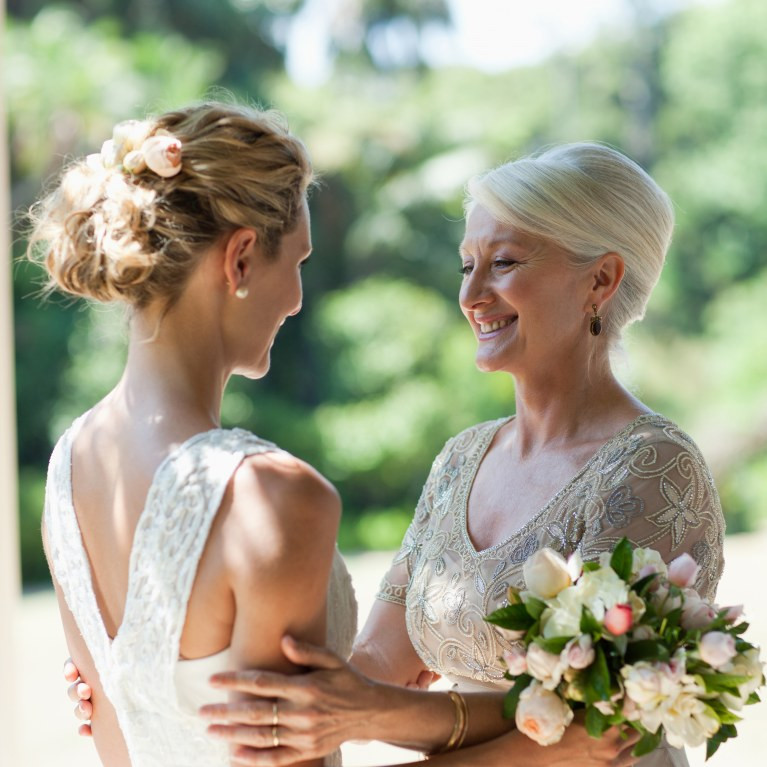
(595, 325)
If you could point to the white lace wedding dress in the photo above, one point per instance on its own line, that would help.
(156, 695)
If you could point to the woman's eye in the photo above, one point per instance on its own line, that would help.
(504, 263)
(465, 269)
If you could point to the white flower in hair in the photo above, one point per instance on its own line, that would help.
(134, 161)
(130, 135)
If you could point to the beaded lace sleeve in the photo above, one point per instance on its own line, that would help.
(394, 584)
(665, 499)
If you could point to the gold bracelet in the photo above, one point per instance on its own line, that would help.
(461, 726)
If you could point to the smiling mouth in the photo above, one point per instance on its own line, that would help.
(485, 328)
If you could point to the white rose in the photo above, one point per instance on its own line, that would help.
(542, 715)
(546, 573)
(579, 652)
(687, 721)
(650, 684)
(717, 648)
(544, 666)
(602, 589)
(563, 618)
(649, 561)
(747, 664)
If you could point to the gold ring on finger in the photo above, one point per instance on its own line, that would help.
(275, 737)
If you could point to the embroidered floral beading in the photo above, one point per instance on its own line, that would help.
(649, 483)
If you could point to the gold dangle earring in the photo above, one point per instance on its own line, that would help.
(595, 324)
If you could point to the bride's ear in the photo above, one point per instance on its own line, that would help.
(241, 248)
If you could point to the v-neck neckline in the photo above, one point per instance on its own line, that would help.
(478, 456)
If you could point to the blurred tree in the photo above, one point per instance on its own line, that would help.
(376, 372)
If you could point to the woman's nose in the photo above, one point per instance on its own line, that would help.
(474, 291)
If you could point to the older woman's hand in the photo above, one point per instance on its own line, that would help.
(311, 714)
(79, 692)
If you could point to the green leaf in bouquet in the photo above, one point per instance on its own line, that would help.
(596, 722)
(741, 645)
(719, 682)
(597, 677)
(554, 645)
(620, 643)
(589, 567)
(721, 712)
(513, 617)
(753, 698)
(533, 632)
(646, 649)
(622, 558)
(648, 743)
(739, 629)
(725, 732)
(671, 620)
(641, 586)
(589, 624)
(535, 607)
(512, 696)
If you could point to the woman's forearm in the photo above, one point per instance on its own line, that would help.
(424, 720)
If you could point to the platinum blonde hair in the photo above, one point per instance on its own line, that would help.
(590, 200)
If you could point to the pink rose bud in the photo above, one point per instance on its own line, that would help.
(618, 619)
(683, 571)
(696, 612)
(579, 653)
(717, 648)
(733, 613)
(516, 660)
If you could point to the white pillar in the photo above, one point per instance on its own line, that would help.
(9, 537)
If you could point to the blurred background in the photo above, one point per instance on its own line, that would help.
(400, 102)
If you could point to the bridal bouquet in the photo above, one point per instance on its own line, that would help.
(628, 639)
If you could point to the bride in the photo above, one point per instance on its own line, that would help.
(178, 548)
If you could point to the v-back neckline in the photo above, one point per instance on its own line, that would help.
(478, 455)
(79, 543)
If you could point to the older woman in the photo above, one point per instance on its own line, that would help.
(561, 253)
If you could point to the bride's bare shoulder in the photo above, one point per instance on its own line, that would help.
(277, 505)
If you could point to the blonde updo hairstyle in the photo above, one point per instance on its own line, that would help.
(109, 235)
(590, 200)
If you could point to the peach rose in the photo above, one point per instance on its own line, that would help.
(542, 715)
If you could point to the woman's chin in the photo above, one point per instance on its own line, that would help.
(254, 372)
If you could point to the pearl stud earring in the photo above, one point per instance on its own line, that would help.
(241, 292)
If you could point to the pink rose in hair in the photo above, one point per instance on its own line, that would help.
(162, 155)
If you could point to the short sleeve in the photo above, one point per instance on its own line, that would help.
(665, 500)
(394, 584)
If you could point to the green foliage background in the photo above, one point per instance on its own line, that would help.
(376, 372)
